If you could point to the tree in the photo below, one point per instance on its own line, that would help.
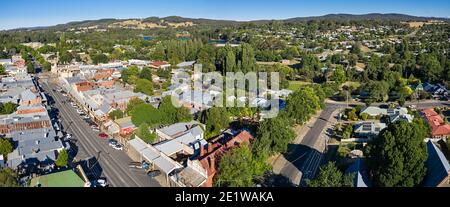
(146, 73)
(376, 91)
(63, 159)
(144, 133)
(99, 58)
(2, 70)
(145, 86)
(339, 75)
(8, 108)
(116, 114)
(133, 103)
(6, 147)
(8, 178)
(396, 158)
(239, 167)
(47, 66)
(274, 135)
(302, 104)
(215, 119)
(364, 116)
(348, 130)
(30, 67)
(331, 176)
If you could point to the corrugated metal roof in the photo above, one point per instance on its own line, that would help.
(437, 166)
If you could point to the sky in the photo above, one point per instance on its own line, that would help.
(31, 13)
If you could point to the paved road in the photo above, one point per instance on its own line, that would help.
(306, 159)
(110, 163)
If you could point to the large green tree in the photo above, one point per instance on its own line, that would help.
(215, 119)
(302, 104)
(8, 178)
(274, 135)
(240, 167)
(144, 133)
(330, 176)
(6, 146)
(116, 114)
(396, 158)
(145, 86)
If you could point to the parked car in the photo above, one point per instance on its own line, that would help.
(154, 173)
(137, 165)
(86, 117)
(80, 111)
(103, 135)
(118, 147)
(112, 142)
(68, 136)
(101, 182)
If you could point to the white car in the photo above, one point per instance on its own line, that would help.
(80, 111)
(68, 136)
(65, 95)
(117, 147)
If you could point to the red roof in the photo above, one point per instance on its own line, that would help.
(429, 112)
(437, 124)
(159, 63)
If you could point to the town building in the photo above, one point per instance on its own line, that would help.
(439, 129)
(438, 168)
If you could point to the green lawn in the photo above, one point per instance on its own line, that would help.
(294, 85)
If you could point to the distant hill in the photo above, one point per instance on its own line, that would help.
(177, 21)
(372, 16)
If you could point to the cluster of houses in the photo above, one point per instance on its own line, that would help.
(14, 65)
(183, 155)
(33, 133)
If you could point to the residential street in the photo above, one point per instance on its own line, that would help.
(304, 159)
(105, 161)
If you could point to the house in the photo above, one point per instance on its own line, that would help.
(368, 129)
(16, 123)
(439, 129)
(84, 86)
(27, 98)
(190, 174)
(436, 91)
(67, 178)
(34, 147)
(126, 127)
(193, 129)
(210, 157)
(159, 64)
(189, 64)
(374, 111)
(438, 168)
(360, 174)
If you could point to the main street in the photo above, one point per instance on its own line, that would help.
(304, 157)
(112, 164)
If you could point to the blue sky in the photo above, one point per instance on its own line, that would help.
(27, 13)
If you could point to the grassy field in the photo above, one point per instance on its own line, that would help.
(294, 85)
(354, 84)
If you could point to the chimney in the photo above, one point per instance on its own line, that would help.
(209, 147)
(212, 165)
